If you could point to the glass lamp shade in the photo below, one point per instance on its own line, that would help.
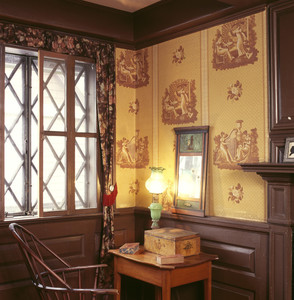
(156, 183)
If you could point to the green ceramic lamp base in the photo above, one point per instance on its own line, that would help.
(155, 210)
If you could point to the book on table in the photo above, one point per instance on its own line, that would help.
(170, 259)
(130, 248)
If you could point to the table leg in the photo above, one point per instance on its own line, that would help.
(166, 294)
(117, 280)
(165, 288)
(157, 293)
(162, 293)
(207, 285)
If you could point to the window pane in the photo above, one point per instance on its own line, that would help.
(85, 173)
(54, 174)
(14, 169)
(85, 93)
(14, 134)
(21, 134)
(54, 94)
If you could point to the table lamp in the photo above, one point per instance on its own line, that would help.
(156, 184)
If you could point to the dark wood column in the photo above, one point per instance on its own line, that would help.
(280, 180)
(281, 21)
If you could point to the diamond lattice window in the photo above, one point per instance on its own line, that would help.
(50, 153)
(21, 134)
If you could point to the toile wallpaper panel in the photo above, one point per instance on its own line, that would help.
(134, 125)
(238, 119)
(179, 98)
(144, 121)
(126, 98)
(215, 77)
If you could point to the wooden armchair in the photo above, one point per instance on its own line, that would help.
(63, 283)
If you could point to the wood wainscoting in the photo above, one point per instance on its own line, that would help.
(76, 239)
(242, 271)
(248, 252)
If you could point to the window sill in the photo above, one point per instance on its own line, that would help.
(51, 219)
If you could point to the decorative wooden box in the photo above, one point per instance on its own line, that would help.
(171, 241)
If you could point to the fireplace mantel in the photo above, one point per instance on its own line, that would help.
(268, 167)
(280, 216)
(272, 172)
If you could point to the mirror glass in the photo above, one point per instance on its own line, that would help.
(189, 182)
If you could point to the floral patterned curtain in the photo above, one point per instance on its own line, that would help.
(106, 112)
(104, 55)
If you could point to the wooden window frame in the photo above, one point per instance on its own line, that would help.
(2, 146)
(70, 135)
(70, 170)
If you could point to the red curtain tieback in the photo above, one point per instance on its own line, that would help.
(109, 200)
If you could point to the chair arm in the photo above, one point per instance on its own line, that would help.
(79, 291)
(80, 268)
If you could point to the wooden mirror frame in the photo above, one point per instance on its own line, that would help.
(191, 150)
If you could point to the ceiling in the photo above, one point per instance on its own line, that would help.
(125, 5)
(135, 5)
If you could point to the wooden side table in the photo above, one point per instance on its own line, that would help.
(164, 277)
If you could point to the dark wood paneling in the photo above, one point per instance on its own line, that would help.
(282, 47)
(280, 271)
(75, 239)
(222, 291)
(23, 290)
(281, 197)
(124, 226)
(250, 253)
(165, 15)
(281, 18)
(280, 181)
(234, 257)
(160, 22)
(243, 249)
(170, 19)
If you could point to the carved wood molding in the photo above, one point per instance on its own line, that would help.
(280, 179)
(281, 72)
(273, 171)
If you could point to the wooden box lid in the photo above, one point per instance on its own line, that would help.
(169, 233)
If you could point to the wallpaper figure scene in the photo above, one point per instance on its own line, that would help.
(133, 153)
(132, 69)
(234, 44)
(186, 82)
(179, 103)
(238, 146)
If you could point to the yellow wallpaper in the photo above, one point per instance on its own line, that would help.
(144, 121)
(215, 77)
(224, 115)
(176, 72)
(126, 126)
